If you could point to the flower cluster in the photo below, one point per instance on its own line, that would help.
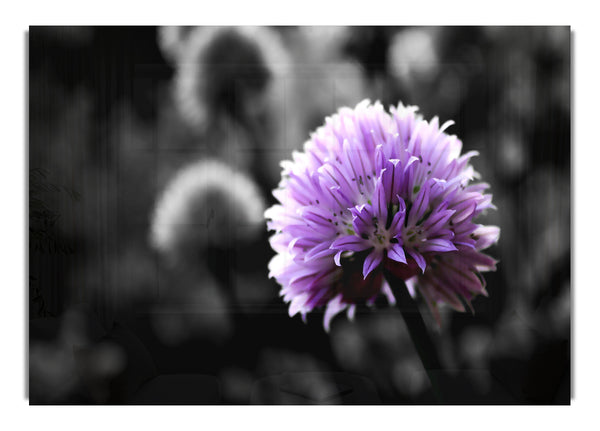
(371, 191)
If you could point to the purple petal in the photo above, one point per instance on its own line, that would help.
(420, 205)
(411, 286)
(387, 291)
(334, 306)
(379, 201)
(482, 262)
(463, 211)
(352, 159)
(351, 311)
(372, 261)
(410, 161)
(397, 253)
(350, 243)
(380, 158)
(337, 257)
(392, 179)
(398, 219)
(362, 219)
(418, 258)
(438, 220)
(318, 251)
(297, 304)
(486, 236)
(317, 218)
(361, 213)
(437, 244)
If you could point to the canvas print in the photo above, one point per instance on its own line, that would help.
(313, 215)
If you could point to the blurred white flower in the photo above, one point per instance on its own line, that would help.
(54, 370)
(52, 373)
(225, 69)
(514, 333)
(512, 156)
(322, 44)
(413, 55)
(323, 77)
(206, 204)
(171, 40)
(475, 344)
(409, 376)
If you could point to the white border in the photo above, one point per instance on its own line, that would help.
(15, 410)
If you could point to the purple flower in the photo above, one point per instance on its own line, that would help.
(373, 190)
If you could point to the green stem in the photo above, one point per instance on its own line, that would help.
(418, 333)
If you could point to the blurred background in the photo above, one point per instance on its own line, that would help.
(152, 156)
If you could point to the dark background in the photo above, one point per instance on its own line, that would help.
(116, 113)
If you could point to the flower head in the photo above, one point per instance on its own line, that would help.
(226, 70)
(200, 207)
(375, 190)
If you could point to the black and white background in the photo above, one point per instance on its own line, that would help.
(147, 279)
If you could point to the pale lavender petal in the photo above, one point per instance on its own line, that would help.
(337, 258)
(397, 253)
(351, 311)
(418, 258)
(486, 236)
(297, 304)
(463, 211)
(392, 179)
(387, 291)
(318, 251)
(379, 201)
(398, 219)
(420, 205)
(334, 306)
(437, 244)
(372, 260)
(411, 286)
(350, 243)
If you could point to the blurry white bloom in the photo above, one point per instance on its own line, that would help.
(206, 203)
(225, 68)
(512, 156)
(413, 55)
(514, 333)
(171, 40)
(323, 75)
(409, 376)
(54, 371)
(415, 67)
(475, 344)
(323, 44)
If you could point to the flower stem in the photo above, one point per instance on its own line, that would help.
(418, 333)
